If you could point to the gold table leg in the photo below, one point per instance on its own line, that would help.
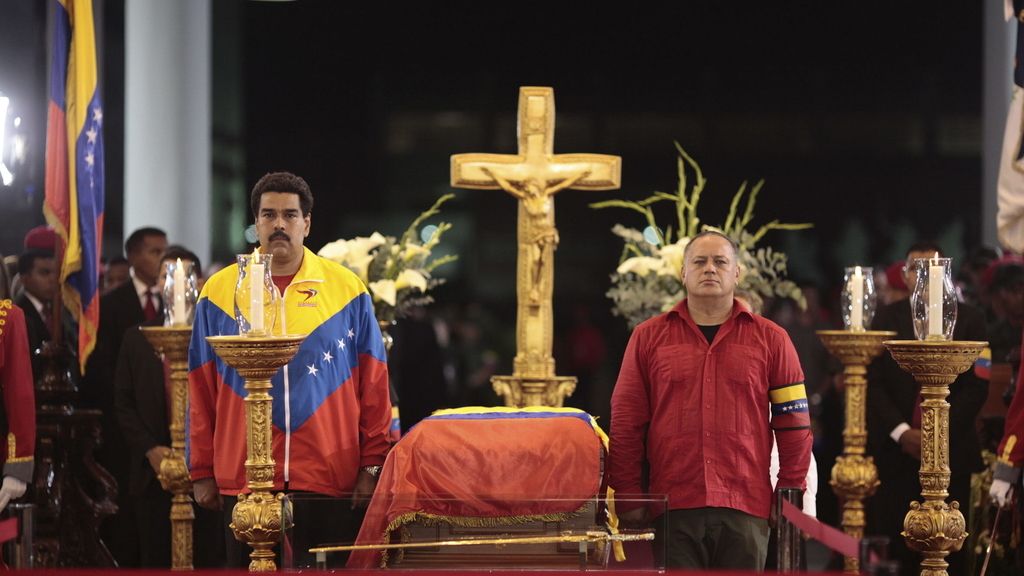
(256, 518)
(854, 476)
(933, 527)
(173, 342)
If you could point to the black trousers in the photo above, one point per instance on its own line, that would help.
(711, 538)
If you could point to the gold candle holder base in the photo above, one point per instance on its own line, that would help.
(256, 518)
(854, 475)
(173, 343)
(521, 391)
(934, 528)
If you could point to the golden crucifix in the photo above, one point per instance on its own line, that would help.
(533, 177)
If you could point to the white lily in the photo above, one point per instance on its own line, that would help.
(411, 279)
(384, 290)
(640, 265)
(672, 255)
(335, 251)
(364, 245)
(360, 265)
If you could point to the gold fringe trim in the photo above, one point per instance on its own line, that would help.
(22, 459)
(12, 446)
(470, 522)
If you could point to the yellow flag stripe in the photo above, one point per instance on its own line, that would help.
(788, 394)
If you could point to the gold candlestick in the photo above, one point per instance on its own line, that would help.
(854, 475)
(934, 528)
(256, 518)
(173, 342)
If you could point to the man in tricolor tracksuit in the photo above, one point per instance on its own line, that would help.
(331, 409)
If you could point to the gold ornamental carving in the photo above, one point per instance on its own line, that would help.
(256, 518)
(172, 342)
(533, 177)
(854, 475)
(933, 527)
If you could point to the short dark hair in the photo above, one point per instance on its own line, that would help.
(1007, 277)
(27, 261)
(176, 251)
(925, 246)
(285, 182)
(135, 239)
(706, 233)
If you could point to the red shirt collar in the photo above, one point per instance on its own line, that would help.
(684, 312)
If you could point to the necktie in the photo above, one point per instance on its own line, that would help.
(149, 311)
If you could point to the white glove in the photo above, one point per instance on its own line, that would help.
(999, 492)
(11, 489)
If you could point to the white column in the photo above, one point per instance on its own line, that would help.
(167, 120)
(997, 83)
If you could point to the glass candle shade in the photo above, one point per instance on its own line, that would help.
(933, 300)
(858, 298)
(255, 295)
(180, 293)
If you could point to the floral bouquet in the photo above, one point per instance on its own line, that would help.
(397, 271)
(647, 281)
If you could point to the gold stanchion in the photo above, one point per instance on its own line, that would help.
(854, 476)
(172, 342)
(934, 528)
(256, 519)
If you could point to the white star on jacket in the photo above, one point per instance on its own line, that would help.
(328, 357)
(312, 369)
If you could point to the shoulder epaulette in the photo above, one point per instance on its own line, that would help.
(5, 305)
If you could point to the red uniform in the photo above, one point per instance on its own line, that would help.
(19, 403)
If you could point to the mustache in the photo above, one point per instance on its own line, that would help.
(278, 235)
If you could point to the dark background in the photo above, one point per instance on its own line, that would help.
(864, 119)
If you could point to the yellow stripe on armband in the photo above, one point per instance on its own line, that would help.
(788, 393)
(1011, 441)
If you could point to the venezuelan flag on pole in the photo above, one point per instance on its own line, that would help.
(74, 163)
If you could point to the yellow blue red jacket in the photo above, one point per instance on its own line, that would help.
(331, 408)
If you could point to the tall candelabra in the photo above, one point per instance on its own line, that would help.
(172, 342)
(854, 476)
(934, 528)
(257, 517)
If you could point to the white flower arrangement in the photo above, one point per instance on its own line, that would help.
(647, 280)
(397, 271)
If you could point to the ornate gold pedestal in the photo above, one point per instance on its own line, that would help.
(934, 528)
(172, 342)
(854, 476)
(256, 519)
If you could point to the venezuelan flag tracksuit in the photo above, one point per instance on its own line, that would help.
(331, 410)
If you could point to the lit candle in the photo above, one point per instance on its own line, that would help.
(178, 317)
(857, 299)
(256, 292)
(936, 274)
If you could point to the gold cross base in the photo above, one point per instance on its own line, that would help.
(522, 391)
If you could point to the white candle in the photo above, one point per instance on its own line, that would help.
(178, 317)
(256, 293)
(857, 299)
(936, 274)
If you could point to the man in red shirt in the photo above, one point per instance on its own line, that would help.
(695, 389)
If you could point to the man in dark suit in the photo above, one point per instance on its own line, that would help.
(38, 272)
(132, 303)
(893, 418)
(141, 401)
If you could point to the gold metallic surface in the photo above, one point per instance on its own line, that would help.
(595, 536)
(934, 528)
(534, 176)
(854, 475)
(256, 518)
(173, 343)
